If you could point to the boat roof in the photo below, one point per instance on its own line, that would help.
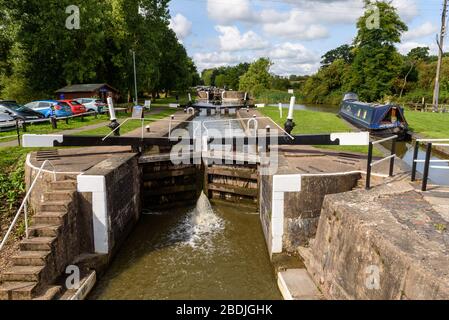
(371, 105)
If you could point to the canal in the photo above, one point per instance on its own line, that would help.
(205, 252)
(202, 252)
(404, 149)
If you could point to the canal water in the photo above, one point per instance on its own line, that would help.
(404, 150)
(203, 252)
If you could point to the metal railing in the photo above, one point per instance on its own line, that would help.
(371, 164)
(427, 161)
(170, 125)
(254, 120)
(23, 207)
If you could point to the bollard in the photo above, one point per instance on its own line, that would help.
(147, 128)
(18, 131)
(268, 129)
(426, 167)
(54, 122)
(289, 124)
(114, 125)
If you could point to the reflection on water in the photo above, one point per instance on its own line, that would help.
(194, 253)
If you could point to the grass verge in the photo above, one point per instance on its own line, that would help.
(428, 124)
(312, 122)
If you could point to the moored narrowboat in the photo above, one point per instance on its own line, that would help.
(381, 120)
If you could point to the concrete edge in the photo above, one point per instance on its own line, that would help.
(86, 287)
(283, 288)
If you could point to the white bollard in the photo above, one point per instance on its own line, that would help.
(292, 108)
(280, 110)
(190, 97)
(111, 109)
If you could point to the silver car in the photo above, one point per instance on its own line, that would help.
(92, 104)
(7, 123)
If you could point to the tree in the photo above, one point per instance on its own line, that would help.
(376, 61)
(257, 77)
(343, 52)
(39, 54)
(411, 60)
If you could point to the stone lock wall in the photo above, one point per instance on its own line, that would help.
(290, 206)
(303, 209)
(115, 205)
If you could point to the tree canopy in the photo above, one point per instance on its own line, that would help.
(39, 54)
(257, 77)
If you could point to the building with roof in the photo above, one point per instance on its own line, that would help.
(95, 90)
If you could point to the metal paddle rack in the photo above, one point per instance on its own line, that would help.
(371, 164)
(430, 143)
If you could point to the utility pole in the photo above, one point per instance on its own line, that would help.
(440, 42)
(135, 78)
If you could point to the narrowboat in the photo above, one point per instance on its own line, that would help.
(380, 120)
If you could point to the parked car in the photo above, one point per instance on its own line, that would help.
(7, 123)
(18, 111)
(92, 104)
(77, 108)
(47, 107)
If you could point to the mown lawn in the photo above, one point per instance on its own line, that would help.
(131, 124)
(78, 123)
(428, 124)
(311, 122)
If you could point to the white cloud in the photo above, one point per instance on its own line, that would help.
(206, 60)
(423, 30)
(293, 58)
(288, 58)
(181, 26)
(225, 11)
(297, 26)
(232, 40)
(407, 9)
(405, 47)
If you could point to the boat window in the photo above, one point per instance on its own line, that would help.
(359, 113)
(365, 114)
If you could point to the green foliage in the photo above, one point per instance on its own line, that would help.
(12, 185)
(376, 60)
(272, 97)
(225, 77)
(257, 77)
(344, 52)
(327, 85)
(41, 55)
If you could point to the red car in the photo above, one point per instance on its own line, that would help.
(76, 107)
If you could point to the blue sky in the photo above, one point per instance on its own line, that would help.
(294, 34)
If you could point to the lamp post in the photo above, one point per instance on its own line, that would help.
(136, 102)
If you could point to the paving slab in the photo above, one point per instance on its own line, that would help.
(296, 284)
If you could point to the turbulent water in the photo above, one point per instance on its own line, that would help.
(203, 252)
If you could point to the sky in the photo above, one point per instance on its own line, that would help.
(294, 34)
